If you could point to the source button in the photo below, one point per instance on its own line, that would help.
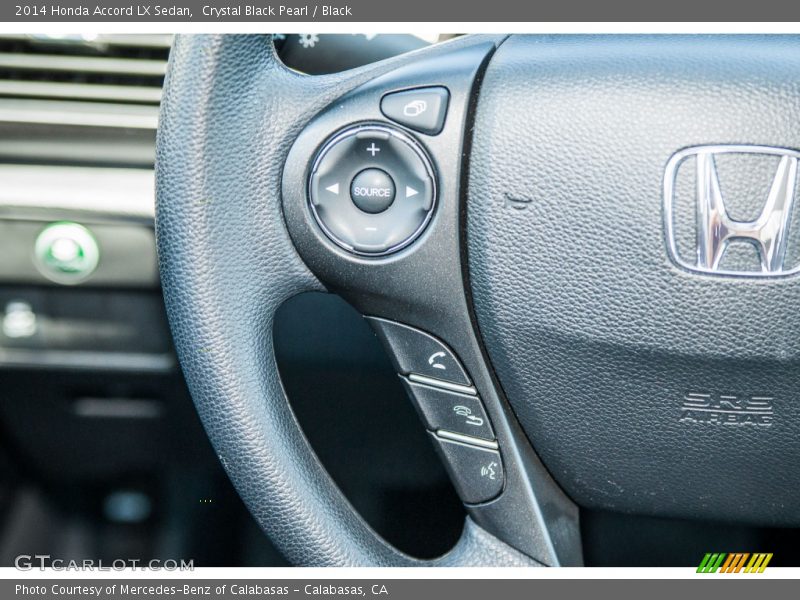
(372, 190)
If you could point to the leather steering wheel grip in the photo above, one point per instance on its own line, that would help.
(229, 115)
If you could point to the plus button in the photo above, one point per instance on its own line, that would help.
(373, 149)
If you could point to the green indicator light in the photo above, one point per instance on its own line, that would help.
(66, 252)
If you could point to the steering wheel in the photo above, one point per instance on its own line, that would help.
(543, 232)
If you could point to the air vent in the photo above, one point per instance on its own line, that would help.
(103, 81)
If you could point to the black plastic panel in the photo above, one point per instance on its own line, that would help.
(85, 328)
(127, 252)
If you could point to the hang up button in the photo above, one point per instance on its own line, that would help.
(422, 109)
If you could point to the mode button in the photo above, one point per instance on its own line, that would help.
(423, 109)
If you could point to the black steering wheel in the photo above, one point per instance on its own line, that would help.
(543, 231)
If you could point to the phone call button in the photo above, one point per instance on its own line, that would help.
(415, 352)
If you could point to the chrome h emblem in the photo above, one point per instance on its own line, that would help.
(715, 228)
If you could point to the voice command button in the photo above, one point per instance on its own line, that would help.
(477, 473)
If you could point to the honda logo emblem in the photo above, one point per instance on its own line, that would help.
(768, 232)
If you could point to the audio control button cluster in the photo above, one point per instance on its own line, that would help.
(372, 189)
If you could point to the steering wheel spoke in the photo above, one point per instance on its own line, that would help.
(242, 151)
